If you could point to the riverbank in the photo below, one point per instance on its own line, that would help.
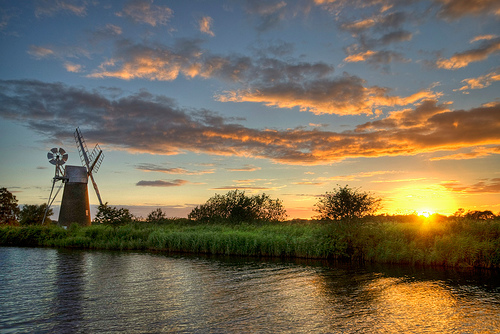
(450, 242)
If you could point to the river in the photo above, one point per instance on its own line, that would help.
(79, 291)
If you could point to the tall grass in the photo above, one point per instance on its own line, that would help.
(450, 242)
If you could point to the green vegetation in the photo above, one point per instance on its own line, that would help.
(235, 206)
(32, 214)
(345, 203)
(112, 215)
(454, 241)
(8, 207)
(236, 224)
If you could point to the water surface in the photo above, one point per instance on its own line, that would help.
(76, 291)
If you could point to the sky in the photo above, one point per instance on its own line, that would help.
(189, 99)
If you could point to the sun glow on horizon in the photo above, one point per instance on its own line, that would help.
(425, 213)
(424, 200)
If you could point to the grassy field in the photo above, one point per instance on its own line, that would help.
(444, 242)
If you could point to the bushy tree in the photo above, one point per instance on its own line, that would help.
(235, 206)
(476, 214)
(8, 207)
(156, 216)
(113, 216)
(480, 215)
(33, 215)
(345, 203)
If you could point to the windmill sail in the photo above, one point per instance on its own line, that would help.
(91, 161)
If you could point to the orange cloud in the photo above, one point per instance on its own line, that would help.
(246, 168)
(342, 96)
(463, 59)
(75, 68)
(481, 187)
(143, 11)
(483, 37)
(478, 152)
(481, 81)
(206, 25)
(454, 9)
(362, 56)
(359, 25)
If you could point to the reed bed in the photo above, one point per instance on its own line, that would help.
(445, 242)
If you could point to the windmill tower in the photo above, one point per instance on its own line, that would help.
(57, 157)
(75, 206)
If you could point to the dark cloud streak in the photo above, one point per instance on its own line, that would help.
(161, 183)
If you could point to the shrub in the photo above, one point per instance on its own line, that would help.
(346, 203)
(34, 214)
(112, 215)
(156, 216)
(8, 207)
(235, 206)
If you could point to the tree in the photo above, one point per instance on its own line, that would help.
(480, 215)
(8, 207)
(346, 203)
(156, 216)
(235, 206)
(112, 215)
(33, 215)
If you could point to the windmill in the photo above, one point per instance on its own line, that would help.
(75, 206)
(91, 161)
(57, 157)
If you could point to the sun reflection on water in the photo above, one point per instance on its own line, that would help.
(424, 306)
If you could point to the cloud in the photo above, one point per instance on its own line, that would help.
(206, 25)
(148, 167)
(40, 52)
(6, 15)
(241, 188)
(106, 32)
(74, 68)
(148, 123)
(376, 57)
(481, 81)
(186, 57)
(161, 183)
(245, 168)
(463, 59)
(478, 152)
(358, 176)
(269, 13)
(484, 186)
(134, 61)
(345, 95)
(52, 7)
(455, 9)
(61, 53)
(143, 11)
(412, 180)
(308, 183)
(377, 31)
(273, 82)
(483, 37)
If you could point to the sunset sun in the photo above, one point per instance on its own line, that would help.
(425, 213)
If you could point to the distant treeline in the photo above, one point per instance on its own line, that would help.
(437, 241)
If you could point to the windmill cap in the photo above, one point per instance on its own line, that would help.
(76, 174)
